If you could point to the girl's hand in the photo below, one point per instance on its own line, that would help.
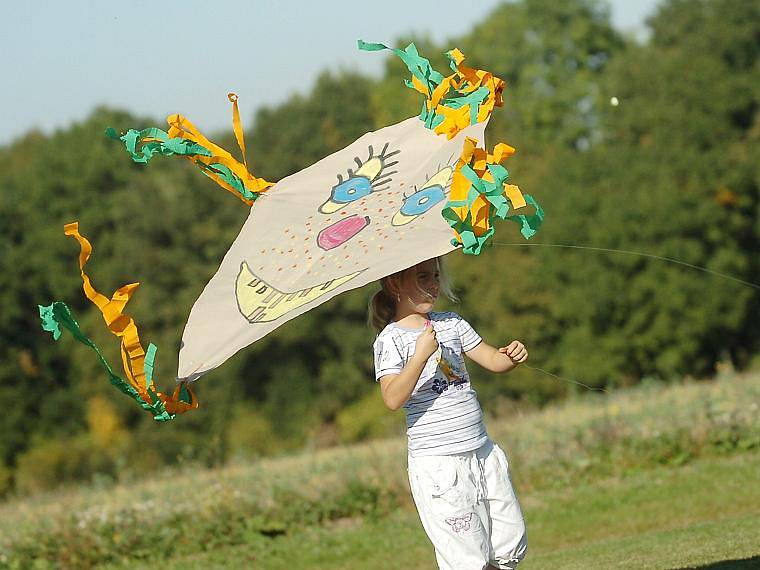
(515, 351)
(426, 343)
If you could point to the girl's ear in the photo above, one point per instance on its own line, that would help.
(394, 287)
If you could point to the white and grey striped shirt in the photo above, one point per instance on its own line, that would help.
(443, 415)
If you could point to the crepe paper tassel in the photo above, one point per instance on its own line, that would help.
(59, 315)
(529, 224)
(454, 102)
(138, 366)
(149, 367)
(184, 139)
(480, 194)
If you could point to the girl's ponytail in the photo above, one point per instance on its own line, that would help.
(382, 308)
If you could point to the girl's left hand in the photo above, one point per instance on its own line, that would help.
(516, 351)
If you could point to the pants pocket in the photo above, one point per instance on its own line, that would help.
(451, 488)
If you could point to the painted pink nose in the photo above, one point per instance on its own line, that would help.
(341, 231)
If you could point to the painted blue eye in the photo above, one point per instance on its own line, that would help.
(350, 190)
(420, 202)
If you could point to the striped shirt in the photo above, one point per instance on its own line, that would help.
(443, 415)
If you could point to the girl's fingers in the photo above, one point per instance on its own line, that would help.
(514, 350)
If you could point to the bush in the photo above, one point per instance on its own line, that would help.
(368, 418)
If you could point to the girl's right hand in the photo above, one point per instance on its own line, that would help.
(426, 343)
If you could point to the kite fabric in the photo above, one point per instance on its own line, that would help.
(395, 197)
(364, 212)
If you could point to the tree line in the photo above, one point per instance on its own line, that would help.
(671, 170)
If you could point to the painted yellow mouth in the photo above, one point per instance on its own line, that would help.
(259, 302)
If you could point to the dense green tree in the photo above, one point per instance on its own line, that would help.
(674, 173)
(673, 170)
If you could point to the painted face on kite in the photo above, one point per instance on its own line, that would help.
(342, 237)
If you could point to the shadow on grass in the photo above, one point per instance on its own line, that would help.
(743, 564)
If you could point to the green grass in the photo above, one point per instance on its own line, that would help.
(590, 471)
(667, 517)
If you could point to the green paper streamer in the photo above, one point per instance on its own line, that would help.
(529, 224)
(48, 321)
(420, 68)
(58, 314)
(150, 357)
(229, 177)
(165, 146)
(141, 152)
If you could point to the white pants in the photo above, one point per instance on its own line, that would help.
(469, 509)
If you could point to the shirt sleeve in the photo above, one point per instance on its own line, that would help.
(388, 359)
(467, 335)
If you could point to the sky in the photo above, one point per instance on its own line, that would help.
(63, 59)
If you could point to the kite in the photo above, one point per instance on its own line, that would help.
(397, 196)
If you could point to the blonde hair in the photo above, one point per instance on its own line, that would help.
(382, 305)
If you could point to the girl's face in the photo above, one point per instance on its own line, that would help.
(420, 291)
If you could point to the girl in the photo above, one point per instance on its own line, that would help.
(458, 476)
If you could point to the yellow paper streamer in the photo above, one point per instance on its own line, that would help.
(124, 327)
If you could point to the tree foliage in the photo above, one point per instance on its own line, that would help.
(673, 171)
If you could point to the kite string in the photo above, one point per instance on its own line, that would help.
(592, 388)
(639, 253)
(625, 252)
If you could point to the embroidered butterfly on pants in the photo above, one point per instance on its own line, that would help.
(459, 524)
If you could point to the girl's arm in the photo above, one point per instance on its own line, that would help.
(396, 388)
(501, 359)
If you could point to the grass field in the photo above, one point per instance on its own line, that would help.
(667, 517)
(653, 477)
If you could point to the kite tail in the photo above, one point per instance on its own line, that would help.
(454, 102)
(137, 363)
(480, 194)
(184, 139)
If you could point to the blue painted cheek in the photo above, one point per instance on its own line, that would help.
(420, 202)
(352, 189)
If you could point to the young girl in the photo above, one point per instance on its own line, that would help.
(458, 476)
